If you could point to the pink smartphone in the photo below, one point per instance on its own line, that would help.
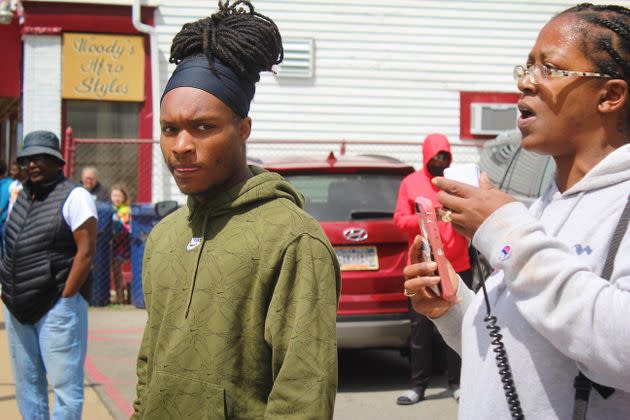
(431, 234)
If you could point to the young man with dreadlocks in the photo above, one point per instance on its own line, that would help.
(241, 285)
(561, 286)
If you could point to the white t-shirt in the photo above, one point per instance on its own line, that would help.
(14, 190)
(79, 207)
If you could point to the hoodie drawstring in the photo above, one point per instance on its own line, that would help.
(194, 274)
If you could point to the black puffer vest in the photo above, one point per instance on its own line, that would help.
(39, 250)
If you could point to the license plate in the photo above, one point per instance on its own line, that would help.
(357, 258)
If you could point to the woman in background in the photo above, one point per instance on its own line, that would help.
(121, 251)
(19, 176)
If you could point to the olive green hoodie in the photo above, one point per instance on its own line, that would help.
(241, 294)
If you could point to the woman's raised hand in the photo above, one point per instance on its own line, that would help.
(419, 277)
(470, 206)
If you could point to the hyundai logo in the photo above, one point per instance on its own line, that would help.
(355, 234)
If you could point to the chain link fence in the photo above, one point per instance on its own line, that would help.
(120, 164)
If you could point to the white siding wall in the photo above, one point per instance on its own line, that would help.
(386, 71)
(41, 106)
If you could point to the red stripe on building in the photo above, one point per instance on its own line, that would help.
(11, 80)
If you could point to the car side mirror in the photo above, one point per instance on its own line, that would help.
(164, 208)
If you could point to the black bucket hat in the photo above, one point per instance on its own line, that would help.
(41, 143)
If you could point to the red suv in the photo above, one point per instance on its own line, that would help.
(354, 200)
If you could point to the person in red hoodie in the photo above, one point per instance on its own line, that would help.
(436, 156)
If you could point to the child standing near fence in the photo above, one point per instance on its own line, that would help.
(120, 240)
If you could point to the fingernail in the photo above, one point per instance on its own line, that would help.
(432, 266)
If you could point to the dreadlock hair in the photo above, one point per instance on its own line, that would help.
(241, 38)
(608, 47)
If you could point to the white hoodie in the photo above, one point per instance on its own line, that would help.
(555, 311)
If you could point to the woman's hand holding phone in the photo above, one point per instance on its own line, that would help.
(470, 206)
(420, 277)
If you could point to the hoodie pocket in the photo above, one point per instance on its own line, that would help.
(175, 397)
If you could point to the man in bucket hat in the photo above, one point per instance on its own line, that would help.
(50, 242)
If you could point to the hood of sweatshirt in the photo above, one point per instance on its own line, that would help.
(262, 187)
(613, 169)
(432, 145)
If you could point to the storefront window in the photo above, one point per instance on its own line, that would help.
(115, 162)
(10, 128)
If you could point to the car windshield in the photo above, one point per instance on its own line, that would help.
(336, 197)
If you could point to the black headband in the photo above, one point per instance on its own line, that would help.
(228, 87)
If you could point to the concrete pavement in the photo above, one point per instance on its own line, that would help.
(369, 381)
(114, 338)
(8, 405)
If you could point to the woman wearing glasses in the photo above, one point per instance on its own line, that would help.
(561, 307)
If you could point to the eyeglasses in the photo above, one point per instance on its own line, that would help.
(36, 159)
(539, 73)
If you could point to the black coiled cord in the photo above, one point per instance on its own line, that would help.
(514, 404)
(503, 364)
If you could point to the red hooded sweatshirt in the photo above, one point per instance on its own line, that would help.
(419, 184)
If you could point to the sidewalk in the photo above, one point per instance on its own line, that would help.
(369, 381)
(93, 407)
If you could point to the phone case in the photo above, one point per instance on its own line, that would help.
(426, 256)
(430, 231)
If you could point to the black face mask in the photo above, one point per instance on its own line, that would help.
(435, 170)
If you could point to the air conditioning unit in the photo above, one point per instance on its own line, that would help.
(492, 118)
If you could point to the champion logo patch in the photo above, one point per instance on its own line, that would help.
(194, 243)
(505, 252)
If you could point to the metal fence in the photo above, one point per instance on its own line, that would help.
(126, 163)
(118, 161)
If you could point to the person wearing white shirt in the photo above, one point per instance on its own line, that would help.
(560, 296)
(45, 274)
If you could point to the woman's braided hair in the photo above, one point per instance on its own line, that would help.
(608, 45)
(238, 36)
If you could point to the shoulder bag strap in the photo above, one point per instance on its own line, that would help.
(620, 231)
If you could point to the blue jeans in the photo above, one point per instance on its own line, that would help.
(54, 345)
